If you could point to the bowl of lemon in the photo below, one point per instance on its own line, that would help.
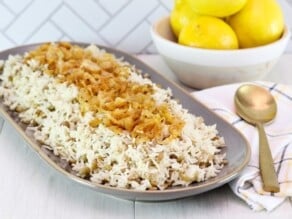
(208, 43)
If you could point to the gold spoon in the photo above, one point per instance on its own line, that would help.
(257, 106)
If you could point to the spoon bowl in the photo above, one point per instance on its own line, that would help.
(257, 106)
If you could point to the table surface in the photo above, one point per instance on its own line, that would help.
(29, 188)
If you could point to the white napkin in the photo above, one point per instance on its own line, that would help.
(248, 185)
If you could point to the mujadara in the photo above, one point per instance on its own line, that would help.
(112, 124)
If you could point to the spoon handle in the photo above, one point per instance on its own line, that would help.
(267, 169)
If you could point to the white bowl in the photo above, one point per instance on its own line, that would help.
(203, 68)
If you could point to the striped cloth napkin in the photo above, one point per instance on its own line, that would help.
(248, 185)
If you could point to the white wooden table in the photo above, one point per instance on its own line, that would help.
(31, 189)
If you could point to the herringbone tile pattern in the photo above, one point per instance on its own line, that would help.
(122, 24)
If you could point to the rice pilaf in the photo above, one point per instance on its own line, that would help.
(112, 124)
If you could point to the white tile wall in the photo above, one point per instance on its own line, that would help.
(122, 24)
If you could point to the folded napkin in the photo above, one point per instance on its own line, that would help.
(248, 185)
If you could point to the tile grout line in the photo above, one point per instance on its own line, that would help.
(8, 8)
(43, 22)
(138, 24)
(144, 49)
(80, 17)
(9, 39)
(64, 36)
(162, 3)
(103, 8)
(116, 12)
(98, 30)
(85, 22)
(17, 15)
(59, 29)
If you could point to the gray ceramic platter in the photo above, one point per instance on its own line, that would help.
(237, 150)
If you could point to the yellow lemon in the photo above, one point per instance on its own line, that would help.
(260, 22)
(180, 16)
(208, 32)
(217, 8)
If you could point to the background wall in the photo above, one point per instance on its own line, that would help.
(122, 24)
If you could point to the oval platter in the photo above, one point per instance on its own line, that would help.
(237, 150)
